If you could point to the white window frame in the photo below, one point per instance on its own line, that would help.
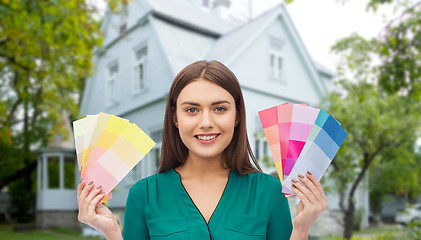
(43, 178)
(275, 72)
(111, 84)
(139, 85)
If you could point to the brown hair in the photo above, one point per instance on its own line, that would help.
(236, 155)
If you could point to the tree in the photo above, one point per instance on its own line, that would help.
(376, 124)
(382, 127)
(397, 174)
(379, 108)
(45, 57)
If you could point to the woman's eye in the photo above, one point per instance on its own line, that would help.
(220, 109)
(191, 110)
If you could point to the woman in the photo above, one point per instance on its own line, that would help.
(207, 187)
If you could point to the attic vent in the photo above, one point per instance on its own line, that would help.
(123, 28)
(123, 17)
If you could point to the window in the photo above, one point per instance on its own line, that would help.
(111, 84)
(53, 172)
(261, 147)
(69, 172)
(257, 148)
(276, 59)
(156, 156)
(139, 69)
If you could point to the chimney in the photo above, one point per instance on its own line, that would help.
(221, 8)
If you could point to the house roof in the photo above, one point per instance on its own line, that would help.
(181, 21)
(188, 34)
(186, 13)
(226, 47)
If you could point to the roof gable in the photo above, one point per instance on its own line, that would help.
(230, 46)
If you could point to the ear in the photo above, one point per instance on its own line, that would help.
(174, 117)
(236, 120)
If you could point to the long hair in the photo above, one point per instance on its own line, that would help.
(238, 153)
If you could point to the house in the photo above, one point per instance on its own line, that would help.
(150, 41)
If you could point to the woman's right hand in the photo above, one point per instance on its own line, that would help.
(93, 213)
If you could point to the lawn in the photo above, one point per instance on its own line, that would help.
(7, 233)
(386, 232)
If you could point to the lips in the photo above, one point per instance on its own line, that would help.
(207, 138)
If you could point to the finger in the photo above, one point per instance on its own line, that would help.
(98, 199)
(300, 195)
(80, 187)
(86, 190)
(95, 202)
(310, 185)
(310, 196)
(93, 194)
(87, 201)
(316, 182)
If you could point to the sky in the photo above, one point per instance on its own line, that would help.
(320, 23)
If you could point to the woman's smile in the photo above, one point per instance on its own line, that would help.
(207, 138)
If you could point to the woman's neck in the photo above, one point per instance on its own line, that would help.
(203, 168)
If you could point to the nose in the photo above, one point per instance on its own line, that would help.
(206, 120)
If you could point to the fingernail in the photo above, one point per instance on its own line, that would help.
(293, 186)
(309, 173)
(100, 186)
(300, 176)
(91, 183)
(294, 181)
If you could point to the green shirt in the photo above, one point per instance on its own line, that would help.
(252, 207)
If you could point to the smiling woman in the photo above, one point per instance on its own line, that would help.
(207, 91)
(209, 185)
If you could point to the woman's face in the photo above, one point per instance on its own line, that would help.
(205, 117)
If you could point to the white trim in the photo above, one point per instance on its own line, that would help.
(45, 176)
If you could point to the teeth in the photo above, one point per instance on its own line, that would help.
(206, 138)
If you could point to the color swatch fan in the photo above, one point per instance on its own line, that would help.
(301, 139)
(107, 148)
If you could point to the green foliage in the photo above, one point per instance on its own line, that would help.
(379, 108)
(358, 219)
(375, 123)
(22, 209)
(45, 58)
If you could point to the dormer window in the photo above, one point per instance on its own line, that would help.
(139, 69)
(276, 59)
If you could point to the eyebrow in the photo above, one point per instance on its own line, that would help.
(214, 103)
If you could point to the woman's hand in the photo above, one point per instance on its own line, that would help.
(93, 213)
(312, 201)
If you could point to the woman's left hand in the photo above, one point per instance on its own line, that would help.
(312, 200)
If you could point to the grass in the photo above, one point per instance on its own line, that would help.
(385, 232)
(381, 233)
(6, 233)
